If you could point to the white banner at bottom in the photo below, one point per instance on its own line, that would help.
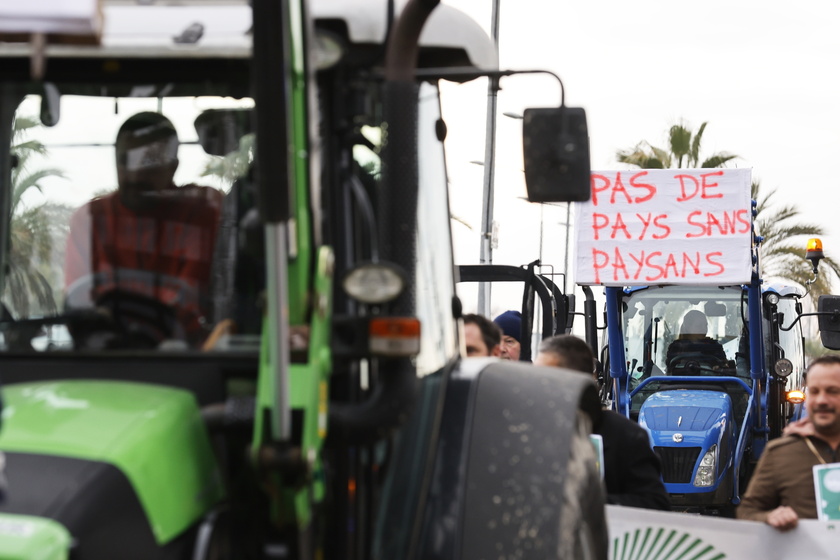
(642, 534)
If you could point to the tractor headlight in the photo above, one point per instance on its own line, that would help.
(708, 468)
(374, 283)
(783, 368)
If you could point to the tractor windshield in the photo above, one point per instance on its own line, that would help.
(673, 330)
(132, 222)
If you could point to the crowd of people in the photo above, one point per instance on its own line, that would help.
(632, 472)
(781, 490)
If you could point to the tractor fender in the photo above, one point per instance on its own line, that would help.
(495, 446)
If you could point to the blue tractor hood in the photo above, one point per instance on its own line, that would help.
(684, 424)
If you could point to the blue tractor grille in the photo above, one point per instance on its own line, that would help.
(677, 463)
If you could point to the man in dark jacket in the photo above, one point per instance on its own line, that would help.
(632, 472)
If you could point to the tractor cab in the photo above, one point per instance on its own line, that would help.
(160, 332)
(682, 331)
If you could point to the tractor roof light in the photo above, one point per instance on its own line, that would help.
(374, 283)
(772, 298)
(814, 252)
(795, 397)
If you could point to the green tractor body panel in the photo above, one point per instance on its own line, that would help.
(300, 265)
(24, 537)
(153, 434)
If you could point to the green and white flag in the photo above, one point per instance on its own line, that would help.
(827, 486)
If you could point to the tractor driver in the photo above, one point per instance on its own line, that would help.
(693, 341)
(150, 240)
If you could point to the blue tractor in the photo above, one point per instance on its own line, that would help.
(712, 372)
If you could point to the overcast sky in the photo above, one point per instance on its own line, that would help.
(763, 75)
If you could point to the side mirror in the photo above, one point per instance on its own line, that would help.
(555, 145)
(829, 321)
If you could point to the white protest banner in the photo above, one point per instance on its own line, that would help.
(665, 226)
(637, 534)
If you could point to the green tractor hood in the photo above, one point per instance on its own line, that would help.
(23, 537)
(152, 434)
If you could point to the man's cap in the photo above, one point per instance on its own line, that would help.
(511, 324)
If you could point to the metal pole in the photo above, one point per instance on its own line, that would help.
(486, 254)
(566, 251)
(278, 318)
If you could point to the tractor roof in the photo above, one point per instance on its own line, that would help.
(162, 29)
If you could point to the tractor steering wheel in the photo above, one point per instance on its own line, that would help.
(124, 320)
(694, 363)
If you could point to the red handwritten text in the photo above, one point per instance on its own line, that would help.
(616, 188)
(709, 224)
(640, 223)
(629, 266)
(691, 186)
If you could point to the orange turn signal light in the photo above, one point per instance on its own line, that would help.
(795, 397)
(394, 336)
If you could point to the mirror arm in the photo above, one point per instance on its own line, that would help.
(468, 73)
(835, 315)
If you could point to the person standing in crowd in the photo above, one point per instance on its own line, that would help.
(632, 471)
(482, 336)
(511, 324)
(781, 491)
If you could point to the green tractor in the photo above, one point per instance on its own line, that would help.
(229, 325)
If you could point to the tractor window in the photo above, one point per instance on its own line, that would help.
(434, 282)
(130, 226)
(435, 274)
(791, 344)
(681, 331)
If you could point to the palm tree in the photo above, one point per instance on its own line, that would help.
(783, 252)
(32, 270)
(234, 165)
(683, 152)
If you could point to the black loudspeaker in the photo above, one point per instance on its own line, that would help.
(829, 321)
(555, 146)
